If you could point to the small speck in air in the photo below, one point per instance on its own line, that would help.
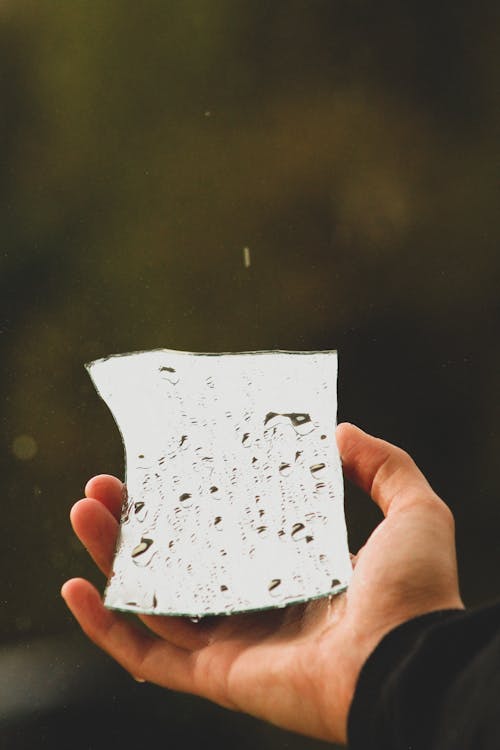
(246, 257)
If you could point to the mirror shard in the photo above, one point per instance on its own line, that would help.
(234, 491)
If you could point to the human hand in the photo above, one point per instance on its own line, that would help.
(295, 667)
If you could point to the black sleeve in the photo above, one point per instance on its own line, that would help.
(432, 683)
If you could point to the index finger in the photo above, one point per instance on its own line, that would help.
(108, 490)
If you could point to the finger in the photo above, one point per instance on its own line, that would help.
(108, 490)
(143, 655)
(383, 470)
(97, 529)
(180, 632)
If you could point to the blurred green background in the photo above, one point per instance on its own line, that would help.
(353, 148)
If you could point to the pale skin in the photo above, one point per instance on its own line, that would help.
(295, 667)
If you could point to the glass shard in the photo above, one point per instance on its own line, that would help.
(234, 496)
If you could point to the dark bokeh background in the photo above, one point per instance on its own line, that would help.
(353, 148)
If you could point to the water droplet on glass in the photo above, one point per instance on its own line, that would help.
(296, 529)
(218, 523)
(185, 496)
(140, 510)
(261, 529)
(320, 486)
(335, 582)
(274, 584)
(317, 470)
(285, 469)
(323, 437)
(196, 619)
(244, 439)
(270, 415)
(143, 545)
(223, 588)
(170, 374)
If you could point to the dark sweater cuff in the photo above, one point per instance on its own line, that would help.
(374, 718)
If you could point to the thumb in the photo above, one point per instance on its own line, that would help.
(383, 470)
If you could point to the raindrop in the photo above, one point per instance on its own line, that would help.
(223, 588)
(213, 489)
(143, 545)
(335, 582)
(323, 437)
(141, 455)
(170, 374)
(270, 415)
(297, 454)
(285, 469)
(182, 440)
(301, 423)
(185, 496)
(261, 529)
(320, 486)
(274, 584)
(298, 419)
(155, 601)
(309, 539)
(261, 512)
(218, 523)
(317, 469)
(245, 438)
(297, 527)
(138, 507)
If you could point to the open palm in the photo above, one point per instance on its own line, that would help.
(295, 667)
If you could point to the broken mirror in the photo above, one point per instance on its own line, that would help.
(234, 491)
